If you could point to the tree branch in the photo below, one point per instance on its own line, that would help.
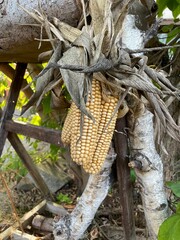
(149, 171)
(73, 226)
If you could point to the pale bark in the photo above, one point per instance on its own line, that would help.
(150, 177)
(149, 170)
(74, 225)
(17, 36)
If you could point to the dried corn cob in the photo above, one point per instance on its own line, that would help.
(90, 148)
(75, 136)
(83, 147)
(105, 132)
(66, 131)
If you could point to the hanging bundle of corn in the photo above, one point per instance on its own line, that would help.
(89, 141)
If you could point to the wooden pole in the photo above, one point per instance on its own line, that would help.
(123, 174)
(41, 133)
(29, 164)
(13, 138)
(10, 72)
(11, 101)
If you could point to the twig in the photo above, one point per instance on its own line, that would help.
(11, 200)
(108, 212)
(119, 228)
(101, 231)
(151, 49)
(84, 13)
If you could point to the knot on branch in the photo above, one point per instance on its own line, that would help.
(62, 228)
(141, 163)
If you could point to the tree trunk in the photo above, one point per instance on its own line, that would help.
(149, 170)
(17, 40)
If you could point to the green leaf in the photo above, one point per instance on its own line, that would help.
(132, 175)
(63, 198)
(172, 34)
(47, 104)
(172, 4)
(178, 208)
(176, 11)
(175, 187)
(167, 28)
(162, 4)
(35, 120)
(170, 228)
(54, 152)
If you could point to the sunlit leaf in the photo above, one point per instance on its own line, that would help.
(170, 228)
(172, 34)
(162, 4)
(176, 11)
(36, 120)
(63, 198)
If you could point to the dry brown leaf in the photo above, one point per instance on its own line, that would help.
(68, 32)
(97, 8)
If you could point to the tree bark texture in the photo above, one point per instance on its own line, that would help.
(149, 170)
(123, 174)
(73, 226)
(17, 36)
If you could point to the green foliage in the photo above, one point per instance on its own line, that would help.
(54, 152)
(170, 229)
(173, 5)
(63, 198)
(35, 120)
(66, 93)
(22, 100)
(46, 102)
(175, 187)
(167, 28)
(178, 208)
(172, 34)
(3, 88)
(11, 161)
(133, 175)
(162, 4)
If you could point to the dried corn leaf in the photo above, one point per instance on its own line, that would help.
(84, 40)
(77, 84)
(155, 105)
(159, 79)
(163, 114)
(48, 88)
(43, 80)
(119, 12)
(68, 32)
(133, 80)
(97, 9)
(103, 40)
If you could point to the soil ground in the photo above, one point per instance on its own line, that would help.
(107, 223)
